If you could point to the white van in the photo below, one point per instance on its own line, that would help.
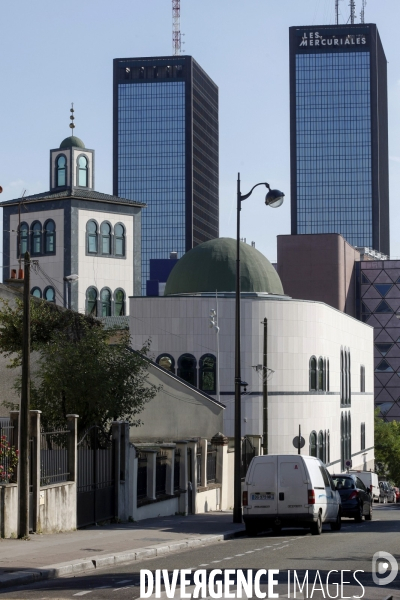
(289, 490)
(370, 480)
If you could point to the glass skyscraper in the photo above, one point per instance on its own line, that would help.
(339, 134)
(165, 150)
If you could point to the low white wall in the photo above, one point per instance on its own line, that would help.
(164, 508)
(57, 507)
(208, 500)
(9, 510)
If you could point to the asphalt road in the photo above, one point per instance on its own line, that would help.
(346, 551)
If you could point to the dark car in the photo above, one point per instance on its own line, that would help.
(356, 498)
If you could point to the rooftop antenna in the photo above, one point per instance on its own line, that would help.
(72, 126)
(176, 27)
(362, 14)
(352, 5)
(337, 11)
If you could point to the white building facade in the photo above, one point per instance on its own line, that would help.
(72, 230)
(319, 364)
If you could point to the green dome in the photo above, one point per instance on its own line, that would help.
(211, 266)
(72, 142)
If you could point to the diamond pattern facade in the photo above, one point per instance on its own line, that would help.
(379, 306)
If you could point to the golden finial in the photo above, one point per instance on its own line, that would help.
(72, 116)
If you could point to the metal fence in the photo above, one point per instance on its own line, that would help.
(53, 457)
(8, 472)
(161, 473)
(211, 463)
(177, 469)
(198, 461)
(141, 484)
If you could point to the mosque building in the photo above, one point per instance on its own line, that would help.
(318, 368)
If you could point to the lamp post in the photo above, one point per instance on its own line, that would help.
(274, 198)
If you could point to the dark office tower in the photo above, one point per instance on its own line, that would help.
(339, 134)
(166, 151)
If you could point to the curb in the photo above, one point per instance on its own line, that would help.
(84, 565)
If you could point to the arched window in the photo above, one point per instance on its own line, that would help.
(349, 436)
(37, 292)
(61, 171)
(49, 294)
(208, 373)
(320, 374)
(342, 442)
(362, 436)
(82, 171)
(23, 245)
(105, 298)
(324, 448)
(313, 444)
(325, 376)
(348, 378)
(341, 377)
(167, 362)
(187, 368)
(49, 237)
(105, 231)
(119, 303)
(119, 236)
(313, 373)
(321, 446)
(91, 301)
(36, 238)
(91, 234)
(328, 448)
(328, 383)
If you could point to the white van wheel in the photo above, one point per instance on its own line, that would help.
(337, 525)
(316, 528)
(251, 529)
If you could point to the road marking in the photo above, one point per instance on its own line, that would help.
(216, 561)
(204, 565)
(239, 554)
(228, 557)
(123, 581)
(83, 593)
(249, 552)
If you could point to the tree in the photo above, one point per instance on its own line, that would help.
(82, 368)
(387, 448)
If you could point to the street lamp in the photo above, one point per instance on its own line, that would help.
(274, 198)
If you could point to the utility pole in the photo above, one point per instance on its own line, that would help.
(265, 388)
(23, 483)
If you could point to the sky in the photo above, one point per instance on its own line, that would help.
(55, 53)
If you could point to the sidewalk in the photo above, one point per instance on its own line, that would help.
(46, 556)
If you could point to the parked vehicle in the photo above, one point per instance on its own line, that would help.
(370, 480)
(289, 490)
(397, 492)
(392, 494)
(355, 496)
(387, 493)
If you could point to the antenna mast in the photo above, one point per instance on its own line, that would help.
(337, 11)
(362, 14)
(352, 5)
(176, 27)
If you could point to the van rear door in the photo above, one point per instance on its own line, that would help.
(292, 485)
(262, 486)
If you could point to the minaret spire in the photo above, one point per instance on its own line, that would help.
(72, 125)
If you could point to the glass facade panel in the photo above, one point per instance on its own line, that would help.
(151, 163)
(333, 145)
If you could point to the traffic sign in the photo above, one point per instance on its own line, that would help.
(296, 442)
